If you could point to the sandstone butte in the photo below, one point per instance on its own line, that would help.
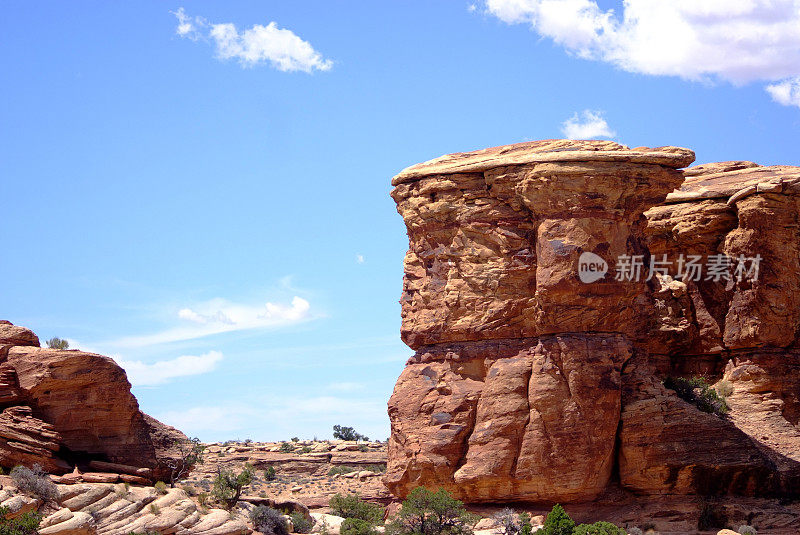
(64, 409)
(529, 385)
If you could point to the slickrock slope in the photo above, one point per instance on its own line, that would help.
(529, 384)
(62, 408)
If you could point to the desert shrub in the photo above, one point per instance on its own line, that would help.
(160, 487)
(306, 449)
(634, 531)
(508, 521)
(697, 391)
(526, 528)
(301, 523)
(295, 439)
(155, 509)
(57, 343)
(724, 388)
(352, 506)
(356, 526)
(202, 499)
(228, 485)
(377, 468)
(347, 433)
(711, 517)
(598, 528)
(268, 521)
(34, 482)
(269, 473)
(747, 530)
(286, 447)
(432, 513)
(557, 522)
(25, 524)
(190, 454)
(340, 470)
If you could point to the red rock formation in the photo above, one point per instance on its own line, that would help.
(67, 406)
(532, 384)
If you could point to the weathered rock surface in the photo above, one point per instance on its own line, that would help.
(68, 407)
(531, 384)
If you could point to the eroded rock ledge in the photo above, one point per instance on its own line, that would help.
(63, 409)
(531, 385)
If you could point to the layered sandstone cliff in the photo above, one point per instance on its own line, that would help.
(68, 408)
(530, 384)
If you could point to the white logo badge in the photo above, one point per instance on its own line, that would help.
(591, 267)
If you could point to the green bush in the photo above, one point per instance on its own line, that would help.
(598, 528)
(356, 526)
(228, 485)
(269, 473)
(295, 439)
(747, 530)
(697, 391)
(432, 513)
(347, 433)
(160, 487)
(286, 447)
(25, 524)
(301, 523)
(508, 521)
(340, 470)
(57, 343)
(268, 521)
(34, 482)
(352, 506)
(557, 522)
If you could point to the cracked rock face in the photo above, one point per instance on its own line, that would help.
(531, 384)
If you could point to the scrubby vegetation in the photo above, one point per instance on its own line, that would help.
(228, 485)
(268, 521)
(57, 343)
(191, 454)
(269, 473)
(747, 530)
(558, 522)
(432, 513)
(352, 506)
(347, 433)
(301, 523)
(338, 470)
(25, 524)
(356, 526)
(34, 482)
(697, 391)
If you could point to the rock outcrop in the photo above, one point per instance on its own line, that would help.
(63, 408)
(545, 317)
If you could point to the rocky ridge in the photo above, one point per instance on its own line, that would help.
(531, 385)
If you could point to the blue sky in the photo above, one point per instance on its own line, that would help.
(204, 195)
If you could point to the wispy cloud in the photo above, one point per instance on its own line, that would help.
(786, 92)
(220, 316)
(142, 374)
(360, 259)
(736, 41)
(259, 44)
(588, 125)
(346, 387)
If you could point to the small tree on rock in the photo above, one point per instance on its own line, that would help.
(57, 343)
(228, 485)
(432, 513)
(190, 455)
(347, 433)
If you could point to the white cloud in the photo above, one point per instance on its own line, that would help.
(279, 47)
(220, 316)
(786, 92)
(141, 374)
(738, 41)
(360, 259)
(589, 125)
